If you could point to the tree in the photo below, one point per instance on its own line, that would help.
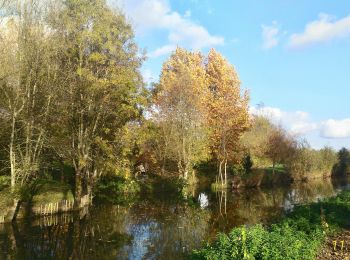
(28, 59)
(180, 109)
(228, 116)
(327, 158)
(256, 138)
(247, 163)
(278, 147)
(103, 90)
(343, 165)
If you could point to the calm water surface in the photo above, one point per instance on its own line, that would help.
(154, 228)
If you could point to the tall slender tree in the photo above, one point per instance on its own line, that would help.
(228, 115)
(181, 110)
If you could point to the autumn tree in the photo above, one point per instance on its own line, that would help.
(103, 90)
(327, 158)
(228, 115)
(180, 109)
(279, 146)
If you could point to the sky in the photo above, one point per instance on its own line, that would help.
(293, 56)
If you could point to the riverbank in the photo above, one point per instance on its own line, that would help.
(155, 225)
(45, 197)
(300, 234)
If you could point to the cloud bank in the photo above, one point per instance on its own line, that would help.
(336, 128)
(150, 15)
(300, 123)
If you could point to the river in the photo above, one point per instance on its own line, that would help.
(156, 227)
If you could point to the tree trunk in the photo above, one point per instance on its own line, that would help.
(90, 182)
(16, 208)
(225, 172)
(220, 173)
(225, 194)
(186, 174)
(12, 154)
(78, 188)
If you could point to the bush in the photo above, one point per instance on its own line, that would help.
(298, 236)
(279, 242)
(5, 181)
(247, 163)
(111, 187)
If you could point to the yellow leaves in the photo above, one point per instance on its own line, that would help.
(183, 76)
(228, 108)
(193, 87)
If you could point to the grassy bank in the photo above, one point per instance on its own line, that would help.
(299, 235)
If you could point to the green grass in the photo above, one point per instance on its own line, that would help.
(4, 181)
(279, 169)
(6, 200)
(299, 235)
(218, 186)
(49, 191)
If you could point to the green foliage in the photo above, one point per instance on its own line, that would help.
(6, 200)
(298, 236)
(307, 163)
(111, 187)
(43, 190)
(50, 191)
(343, 165)
(279, 169)
(173, 187)
(280, 242)
(255, 140)
(217, 186)
(247, 163)
(4, 181)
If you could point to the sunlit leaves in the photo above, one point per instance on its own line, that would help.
(228, 107)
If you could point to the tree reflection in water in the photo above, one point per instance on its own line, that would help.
(154, 228)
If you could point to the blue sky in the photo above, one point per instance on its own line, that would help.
(293, 56)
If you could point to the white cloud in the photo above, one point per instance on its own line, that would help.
(300, 123)
(336, 128)
(270, 35)
(325, 29)
(150, 15)
(166, 49)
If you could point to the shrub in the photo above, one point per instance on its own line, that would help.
(298, 236)
(5, 181)
(111, 187)
(247, 163)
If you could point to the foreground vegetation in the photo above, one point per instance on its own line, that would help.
(299, 235)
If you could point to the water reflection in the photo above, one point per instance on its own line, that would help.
(157, 229)
(203, 200)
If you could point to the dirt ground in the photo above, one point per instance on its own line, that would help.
(336, 247)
